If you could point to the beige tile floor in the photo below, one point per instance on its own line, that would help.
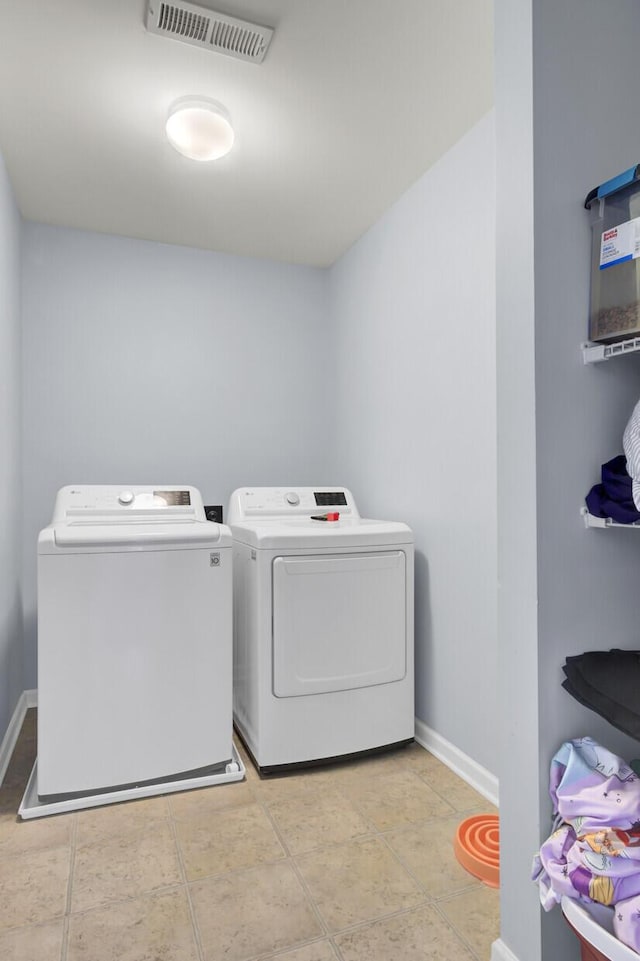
(349, 863)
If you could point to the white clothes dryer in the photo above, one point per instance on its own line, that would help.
(323, 627)
(134, 645)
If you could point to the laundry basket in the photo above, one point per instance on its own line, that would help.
(593, 926)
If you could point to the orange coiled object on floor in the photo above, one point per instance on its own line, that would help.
(477, 847)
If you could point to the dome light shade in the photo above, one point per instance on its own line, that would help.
(199, 128)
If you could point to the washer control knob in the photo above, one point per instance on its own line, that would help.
(126, 497)
(292, 498)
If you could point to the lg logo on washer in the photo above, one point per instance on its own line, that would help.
(214, 560)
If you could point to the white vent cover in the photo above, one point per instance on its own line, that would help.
(208, 29)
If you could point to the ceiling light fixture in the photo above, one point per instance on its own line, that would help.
(199, 128)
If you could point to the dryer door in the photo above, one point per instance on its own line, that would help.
(339, 622)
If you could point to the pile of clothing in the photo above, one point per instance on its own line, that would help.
(618, 494)
(594, 852)
(613, 497)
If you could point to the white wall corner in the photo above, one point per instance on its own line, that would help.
(500, 952)
(460, 763)
(26, 700)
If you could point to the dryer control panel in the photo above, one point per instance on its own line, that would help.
(278, 502)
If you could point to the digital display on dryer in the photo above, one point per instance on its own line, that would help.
(330, 499)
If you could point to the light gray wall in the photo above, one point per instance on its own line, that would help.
(586, 579)
(11, 682)
(146, 362)
(414, 314)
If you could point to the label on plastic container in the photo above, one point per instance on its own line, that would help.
(620, 243)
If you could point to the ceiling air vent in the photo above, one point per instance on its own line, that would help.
(208, 29)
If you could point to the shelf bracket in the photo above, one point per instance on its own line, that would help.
(594, 353)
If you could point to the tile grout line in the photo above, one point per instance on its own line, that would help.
(102, 905)
(406, 867)
(183, 872)
(401, 912)
(452, 927)
(411, 825)
(289, 857)
(373, 833)
(375, 830)
(343, 790)
(470, 885)
(337, 954)
(283, 952)
(64, 947)
(336, 950)
(67, 912)
(372, 829)
(332, 935)
(482, 802)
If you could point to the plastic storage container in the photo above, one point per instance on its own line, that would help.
(615, 257)
(593, 926)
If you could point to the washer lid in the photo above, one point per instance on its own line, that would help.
(70, 539)
(304, 532)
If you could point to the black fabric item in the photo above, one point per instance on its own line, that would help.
(614, 496)
(607, 682)
(618, 716)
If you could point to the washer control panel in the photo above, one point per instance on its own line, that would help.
(94, 504)
(278, 502)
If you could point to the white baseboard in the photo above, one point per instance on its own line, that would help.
(26, 700)
(461, 764)
(500, 952)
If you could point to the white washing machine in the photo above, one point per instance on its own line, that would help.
(323, 626)
(134, 645)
